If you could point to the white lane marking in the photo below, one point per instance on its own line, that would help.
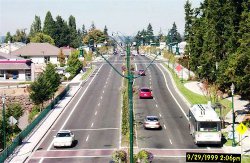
(92, 124)
(159, 114)
(101, 97)
(87, 138)
(99, 104)
(165, 127)
(170, 141)
(75, 106)
(107, 156)
(172, 93)
(94, 129)
(106, 82)
(95, 112)
(103, 91)
(156, 105)
(136, 67)
(41, 160)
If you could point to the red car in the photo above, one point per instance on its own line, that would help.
(145, 93)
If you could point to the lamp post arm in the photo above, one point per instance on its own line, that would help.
(112, 65)
(147, 66)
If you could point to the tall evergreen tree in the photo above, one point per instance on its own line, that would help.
(62, 33)
(92, 26)
(84, 31)
(150, 34)
(8, 38)
(49, 26)
(74, 40)
(174, 35)
(36, 26)
(105, 31)
(188, 20)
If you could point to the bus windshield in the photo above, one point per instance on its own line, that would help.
(208, 126)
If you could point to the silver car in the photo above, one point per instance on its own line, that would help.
(152, 122)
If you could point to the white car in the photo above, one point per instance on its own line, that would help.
(152, 122)
(64, 138)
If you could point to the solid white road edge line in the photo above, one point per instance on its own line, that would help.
(75, 106)
(172, 93)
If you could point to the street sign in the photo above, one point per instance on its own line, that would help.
(12, 121)
(241, 128)
(178, 68)
(67, 75)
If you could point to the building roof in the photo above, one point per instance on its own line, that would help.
(8, 56)
(37, 49)
(15, 64)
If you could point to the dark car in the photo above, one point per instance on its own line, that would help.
(141, 72)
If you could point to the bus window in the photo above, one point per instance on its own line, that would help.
(208, 126)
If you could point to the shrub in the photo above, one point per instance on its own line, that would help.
(119, 155)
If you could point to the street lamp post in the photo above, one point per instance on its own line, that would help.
(232, 90)
(130, 100)
(4, 125)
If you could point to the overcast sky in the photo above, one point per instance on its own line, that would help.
(125, 16)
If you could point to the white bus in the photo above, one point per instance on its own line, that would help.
(204, 124)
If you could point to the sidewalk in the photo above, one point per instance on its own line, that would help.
(239, 104)
(29, 144)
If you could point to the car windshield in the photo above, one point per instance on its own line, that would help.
(145, 90)
(63, 134)
(154, 119)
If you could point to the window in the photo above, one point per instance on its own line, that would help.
(209, 126)
(28, 75)
(47, 59)
(1, 73)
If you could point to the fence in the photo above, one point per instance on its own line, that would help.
(18, 140)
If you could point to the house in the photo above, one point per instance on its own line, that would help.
(40, 53)
(15, 69)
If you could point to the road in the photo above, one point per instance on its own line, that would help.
(94, 117)
(174, 138)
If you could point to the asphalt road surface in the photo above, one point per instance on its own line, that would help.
(94, 115)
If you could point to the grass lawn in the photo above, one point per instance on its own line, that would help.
(88, 72)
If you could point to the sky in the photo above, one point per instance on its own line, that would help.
(123, 16)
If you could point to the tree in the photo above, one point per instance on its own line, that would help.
(42, 38)
(52, 77)
(74, 40)
(149, 34)
(15, 110)
(188, 20)
(84, 31)
(174, 35)
(74, 64)
(61, 58)
(105, 31)
(36, 26)
(94, 36)
(20, 36)
(92, 27)
(39, 91)
(49, 26)
(8, 37)
(62, 37)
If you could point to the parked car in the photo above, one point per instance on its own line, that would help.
(64, 138)
(151, 122)
(145, 93)
(141, 72)
(241, 112)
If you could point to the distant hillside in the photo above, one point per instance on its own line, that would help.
(2, 39)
